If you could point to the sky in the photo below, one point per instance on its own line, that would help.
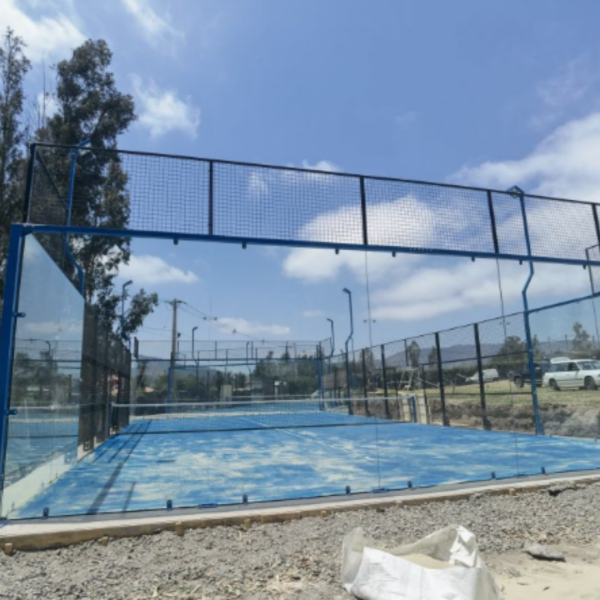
(488, 94)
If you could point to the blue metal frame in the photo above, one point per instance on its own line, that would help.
(539, 426)
(138, 233)
(564, 303)
(10, 315)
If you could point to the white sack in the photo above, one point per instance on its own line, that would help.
(372, 574)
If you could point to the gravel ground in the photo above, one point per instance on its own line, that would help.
(293, 560)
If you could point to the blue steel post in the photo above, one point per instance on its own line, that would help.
(539, 427)
(7, 334)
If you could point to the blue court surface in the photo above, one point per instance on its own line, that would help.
(139, 470)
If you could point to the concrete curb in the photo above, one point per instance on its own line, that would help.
(49, 533)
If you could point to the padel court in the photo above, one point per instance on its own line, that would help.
(95, 422)
(265, 453)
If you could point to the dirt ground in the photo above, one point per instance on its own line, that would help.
(302, 559)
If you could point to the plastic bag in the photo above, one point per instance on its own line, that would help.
(445, 565)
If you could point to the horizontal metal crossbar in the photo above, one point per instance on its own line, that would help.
(131, 233)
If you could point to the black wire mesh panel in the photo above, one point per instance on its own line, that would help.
(593, 252)
(50, 206)
(122, 190)
(172, 418)
(173, 194)
(458, 344)
(506, 373)
(510, 228)
(333, 376)
(286, 204)
(421, 350)
(415, 215)
(235, 350)
(105, 378)
(559, 228)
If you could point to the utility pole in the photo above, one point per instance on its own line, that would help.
(174, 304)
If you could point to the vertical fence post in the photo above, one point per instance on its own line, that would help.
(211, 198)
(539, 426)
(438, 352)
(484, 418)
(364, 378)
(594, 208)
(385, 383)
(335, 382)
(7, 337)
(424, 388)
(320, 377)
(493, 222)
(363, 206)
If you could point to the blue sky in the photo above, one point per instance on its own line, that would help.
(479, 93)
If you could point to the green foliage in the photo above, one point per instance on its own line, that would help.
(90, 107)
(14, 65)
(141, 305)
(37, 381)
(414, 354)
(582, 340)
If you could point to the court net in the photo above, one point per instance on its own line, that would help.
(259, 414)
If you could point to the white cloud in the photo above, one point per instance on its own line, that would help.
(257, 185)
(155, 28)
(54, 328)
(564, 164)
(570, 84)
(153, 270)
(312, 314)
(47, 36)
(261, 181)
(245, 327)
(431, 292)
(322, 165)
(46, 104)
(314, 265)
(162, 111)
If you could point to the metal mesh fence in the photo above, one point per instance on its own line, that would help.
(156, 381)
(105, 379)
(234, 350)
(204, 197)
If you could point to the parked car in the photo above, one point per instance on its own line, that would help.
(488, 375)
(521, 377)
(569, 373)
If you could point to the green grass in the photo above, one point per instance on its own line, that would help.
(505, 392)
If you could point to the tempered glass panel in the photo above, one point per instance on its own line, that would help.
(43, 433)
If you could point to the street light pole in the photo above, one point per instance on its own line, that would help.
(332, 336)
(347, 291)
(193, 332)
